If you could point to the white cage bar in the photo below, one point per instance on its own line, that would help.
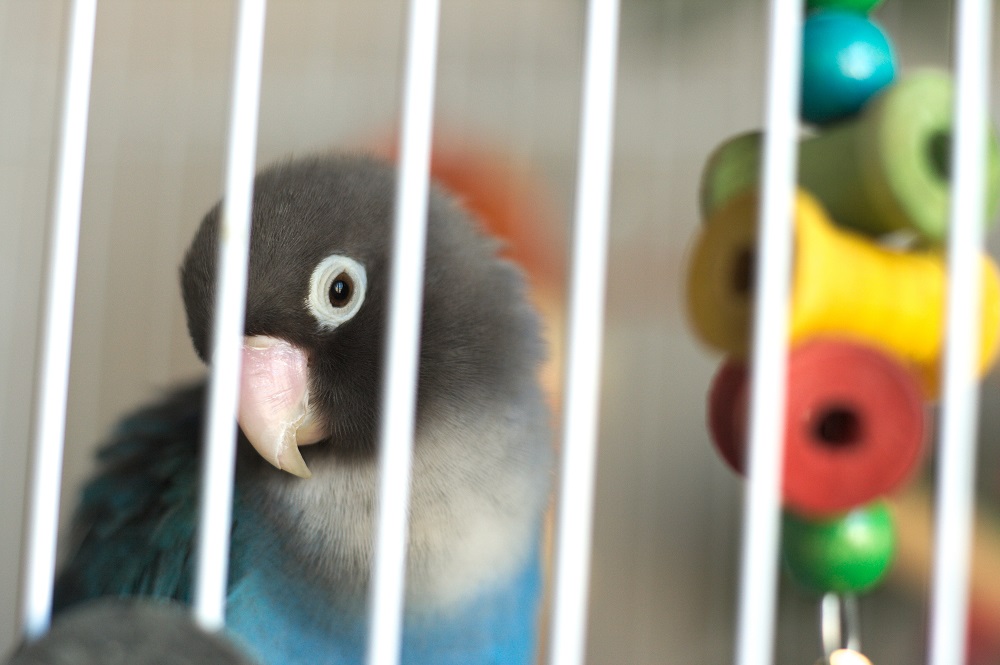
(754, 641)
(581, 384)
(769, 353)
(219, 446)
(403, 342)
(958, 424)
(57, 327)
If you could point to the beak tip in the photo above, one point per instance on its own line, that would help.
(274, 399)
(302, 472)
(292, 462)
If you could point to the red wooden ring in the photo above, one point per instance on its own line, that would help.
(854, 426)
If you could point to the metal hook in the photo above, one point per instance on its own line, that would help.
(839, 623)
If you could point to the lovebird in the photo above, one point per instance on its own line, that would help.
(306, 471)
(113, 631)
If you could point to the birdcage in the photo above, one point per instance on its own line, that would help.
(584, 128)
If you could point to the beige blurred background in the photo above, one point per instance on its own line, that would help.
(691, 74)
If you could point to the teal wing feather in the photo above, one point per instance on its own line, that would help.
(134, 532)
(134, 527)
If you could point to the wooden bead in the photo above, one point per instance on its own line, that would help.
(732, 169)
(848, 657)
(842, 285)
(854, 425)
(857, 6)
(883, 172)
(846, 59)
(846, 554)
(845, 657)
(889, 170)
(728, 400)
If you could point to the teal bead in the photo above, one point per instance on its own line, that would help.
(848, 554)
(856, 6)
(846, 59)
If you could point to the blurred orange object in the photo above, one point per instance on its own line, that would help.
(511, 203)
(506, 198)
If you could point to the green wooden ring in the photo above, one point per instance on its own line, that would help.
(885, 171)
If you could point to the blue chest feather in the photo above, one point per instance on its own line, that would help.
(281, 619)
(135, 529)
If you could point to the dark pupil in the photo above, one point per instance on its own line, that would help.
(340, 290)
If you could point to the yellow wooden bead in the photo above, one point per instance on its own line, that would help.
(844, 657)
(848, 657)
(843, 284)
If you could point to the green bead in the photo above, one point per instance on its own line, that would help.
(859, 6)
(847, 554)
(731, 169)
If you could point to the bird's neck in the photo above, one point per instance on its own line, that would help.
(478, 493)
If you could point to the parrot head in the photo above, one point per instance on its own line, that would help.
(316, 309)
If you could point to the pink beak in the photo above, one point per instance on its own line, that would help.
(274, 411)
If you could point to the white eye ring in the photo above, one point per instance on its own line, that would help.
(331, 270)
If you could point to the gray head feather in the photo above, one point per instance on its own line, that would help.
(482, 453)
(480, 339)
(129, 632)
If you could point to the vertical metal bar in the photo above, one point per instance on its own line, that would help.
(585, 336)
(403, 343)
(761, 517)
(57, 325)
(219, 445)
(957, 433)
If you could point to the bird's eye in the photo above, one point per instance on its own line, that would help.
(336, 290)
(341, 290)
